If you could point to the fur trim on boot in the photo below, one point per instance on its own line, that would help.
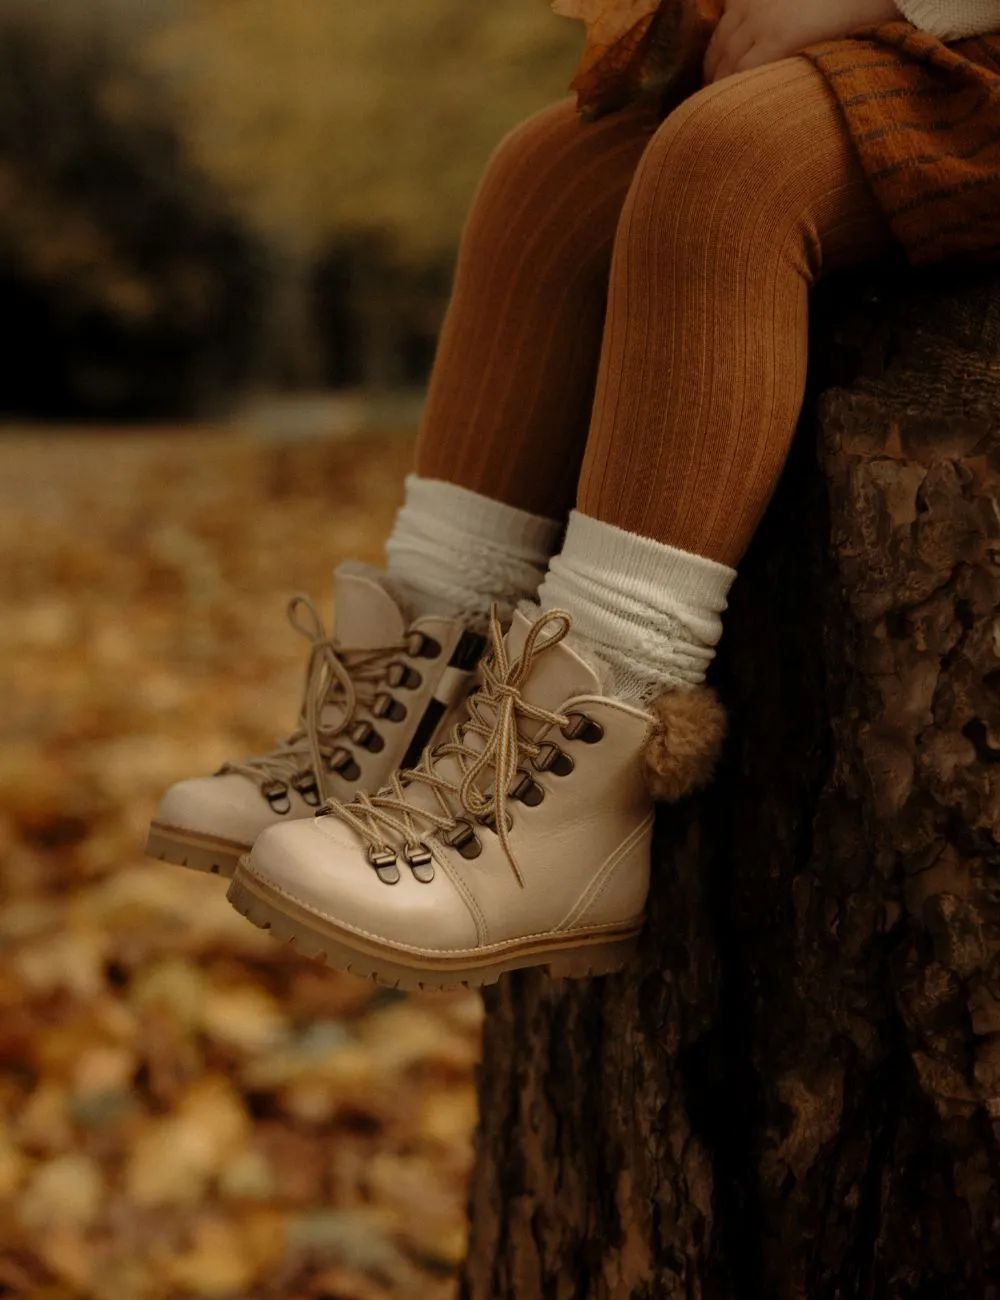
(684, 742)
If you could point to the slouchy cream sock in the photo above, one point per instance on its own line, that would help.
(649, 612)
(455, 552)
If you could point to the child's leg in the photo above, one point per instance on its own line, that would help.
(746, 195)
(513, 383)
(510, 398)
(497, 466)
(525, 840)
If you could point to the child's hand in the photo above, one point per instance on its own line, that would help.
(753, 32)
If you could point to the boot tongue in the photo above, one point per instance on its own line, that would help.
(556, 675)
(365, 616)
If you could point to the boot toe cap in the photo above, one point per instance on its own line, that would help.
(230, 807)
(320, 865)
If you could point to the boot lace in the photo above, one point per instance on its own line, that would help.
(388, 818)
(346, 679)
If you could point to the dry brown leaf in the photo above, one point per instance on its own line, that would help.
(14, 1168)
(608, 24)
(66, 1190)
(175, 1158)
(218, 1262)
(639, 50)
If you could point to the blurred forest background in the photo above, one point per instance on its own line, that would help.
(197, 196)
(210, 208)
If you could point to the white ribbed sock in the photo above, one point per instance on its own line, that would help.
(950, 20)
(454, 552)
(649, 612)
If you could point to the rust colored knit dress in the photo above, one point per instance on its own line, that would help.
(925, 118)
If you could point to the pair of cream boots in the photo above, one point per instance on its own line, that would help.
(438, 817)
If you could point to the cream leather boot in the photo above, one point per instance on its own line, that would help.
(376, 693)
(523, 840)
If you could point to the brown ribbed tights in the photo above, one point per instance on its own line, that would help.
(629, 321)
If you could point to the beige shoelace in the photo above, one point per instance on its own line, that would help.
(494, 712)
(345, 679)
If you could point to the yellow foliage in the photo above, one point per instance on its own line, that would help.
(325, 115)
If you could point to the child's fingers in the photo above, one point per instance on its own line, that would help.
(738, 45)
(759, 54)
(728, 24)
(724, 27)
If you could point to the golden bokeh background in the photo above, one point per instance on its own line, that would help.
(226, 236)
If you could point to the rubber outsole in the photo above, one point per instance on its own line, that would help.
(579, 958)
(205, 853)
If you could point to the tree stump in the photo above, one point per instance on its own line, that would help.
(795, 1092)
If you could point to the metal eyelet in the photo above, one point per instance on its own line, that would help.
(403, 676)
(343, 762)
(276, 795)
(386, 707)
(306, 787)
(550, 758)
(465, 839)
(420, 860)
(580, 727)
(422, 646)
(527, 790)
(365, 735)
(385, 863)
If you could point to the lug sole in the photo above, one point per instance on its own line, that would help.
(206, 853)
(577, 958)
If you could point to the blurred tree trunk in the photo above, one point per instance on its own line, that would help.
(796, 1091)
(292, 353)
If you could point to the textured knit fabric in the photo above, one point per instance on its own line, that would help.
(455, 552)
(925, 119)
(950, 20)
(744, 197)
(509, 400)
(650, 613)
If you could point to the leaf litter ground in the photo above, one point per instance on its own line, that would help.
(186, 1108)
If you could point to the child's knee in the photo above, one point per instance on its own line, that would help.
(716, 163)
(537, 142)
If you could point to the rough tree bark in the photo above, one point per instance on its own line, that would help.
(796, 1091)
